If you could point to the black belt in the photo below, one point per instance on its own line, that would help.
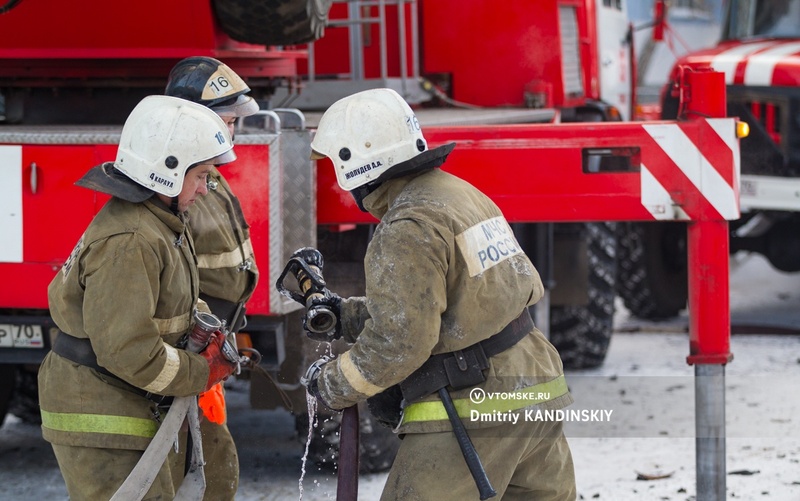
(79, 350)
(464, 368)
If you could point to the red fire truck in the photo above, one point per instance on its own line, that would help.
(759, 53)
(70, 72)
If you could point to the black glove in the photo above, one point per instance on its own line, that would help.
(311, 377)
(386, 406)
(322, 321)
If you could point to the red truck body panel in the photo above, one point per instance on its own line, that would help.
(491, 51)
(58, 212)
(524, 48)
(53, 39)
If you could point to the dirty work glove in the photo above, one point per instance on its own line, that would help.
(311, 379)
(219, 366)
(386, 406)
(320, 309)
(212, 403)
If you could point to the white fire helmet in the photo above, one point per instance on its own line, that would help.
(366, 134)
(164, 136)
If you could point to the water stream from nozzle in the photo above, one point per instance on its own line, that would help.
(311, 403)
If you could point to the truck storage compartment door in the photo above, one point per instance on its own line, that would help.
(44, 214)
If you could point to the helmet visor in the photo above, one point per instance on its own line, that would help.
(226, 158)
(241, 106)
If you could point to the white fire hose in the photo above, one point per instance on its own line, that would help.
(144, 473)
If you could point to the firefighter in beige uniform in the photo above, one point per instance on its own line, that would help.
(225, 259)
(124, 299)
(443, 272)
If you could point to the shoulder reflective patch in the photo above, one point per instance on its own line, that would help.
(486, 244)
(73, 256)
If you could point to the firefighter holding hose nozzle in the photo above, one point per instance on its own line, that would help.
(124, 303)
(445, 316)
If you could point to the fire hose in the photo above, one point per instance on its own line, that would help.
(349, 454)
(306, 266)
(144, 473)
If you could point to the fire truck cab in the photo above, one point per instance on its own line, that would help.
(759, 53)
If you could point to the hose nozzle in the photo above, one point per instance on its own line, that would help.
(306, 267)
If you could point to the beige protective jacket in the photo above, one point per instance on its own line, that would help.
(130, 286)
(443, 272)
(221, 235)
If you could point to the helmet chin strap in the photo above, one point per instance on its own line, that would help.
(426, 160)
(173, 205)
(360, 193)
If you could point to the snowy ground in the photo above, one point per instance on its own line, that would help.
(644, 381)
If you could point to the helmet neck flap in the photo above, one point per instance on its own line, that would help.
(426, 160)
(107, 179)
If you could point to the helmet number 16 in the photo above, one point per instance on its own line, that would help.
(413, 124)
(219, 85)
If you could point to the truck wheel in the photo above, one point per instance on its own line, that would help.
(378, 443)
(25, 403)
(581, 333)
(8, 375)
(652, 278)
(273, 22)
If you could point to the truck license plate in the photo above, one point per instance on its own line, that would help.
(21, 336)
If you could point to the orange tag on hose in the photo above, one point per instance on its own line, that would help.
(212, 402)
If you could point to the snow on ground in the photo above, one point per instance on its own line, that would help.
(651, 390)
(645, 382)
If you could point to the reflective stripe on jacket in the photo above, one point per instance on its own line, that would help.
(482, 403)
(99, 423)
(129, 286)
(221, 235)
(443, 272)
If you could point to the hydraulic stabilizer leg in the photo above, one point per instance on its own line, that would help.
(709, 397)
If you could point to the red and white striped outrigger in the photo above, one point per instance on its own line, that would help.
(663, 171)
(621, 171)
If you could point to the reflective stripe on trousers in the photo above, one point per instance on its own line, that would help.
(99, 423)
(491, 402)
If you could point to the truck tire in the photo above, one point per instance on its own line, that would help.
(378, 444)
(273, 22)
(652, 273)
(652, 279)
(581, 333)
(8, 378)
